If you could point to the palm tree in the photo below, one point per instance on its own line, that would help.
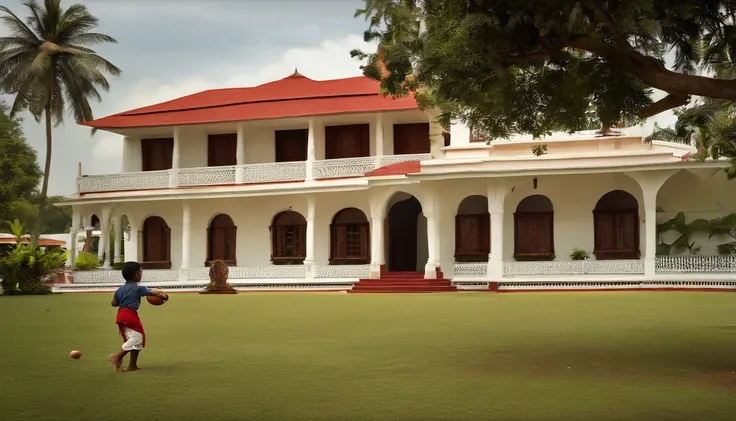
(47, 65)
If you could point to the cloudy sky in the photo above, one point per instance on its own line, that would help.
(171, 48)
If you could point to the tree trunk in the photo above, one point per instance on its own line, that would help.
(45, 185)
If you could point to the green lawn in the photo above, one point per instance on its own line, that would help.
(531, 356)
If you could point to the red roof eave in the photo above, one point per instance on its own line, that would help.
(258, 111)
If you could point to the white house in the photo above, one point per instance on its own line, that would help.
(311, 184)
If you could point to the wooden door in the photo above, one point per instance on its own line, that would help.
(402, 235)
(157, 154)
(222, 149)
(291, 145)
(348, 141)
(156, 243)
(534, 234)
(616, 234)
(411, 138)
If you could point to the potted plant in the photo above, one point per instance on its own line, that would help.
(218, 279)
(579, 254)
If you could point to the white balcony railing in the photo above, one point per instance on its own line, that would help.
(240, 174)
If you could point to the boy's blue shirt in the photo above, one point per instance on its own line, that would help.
(129, 295)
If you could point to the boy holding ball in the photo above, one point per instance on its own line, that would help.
(128, 298)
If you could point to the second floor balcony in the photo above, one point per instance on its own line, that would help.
(274, 151)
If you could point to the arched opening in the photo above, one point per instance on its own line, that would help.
(349, 238)
(221, 240)
(407, 234)
(92, 242)
(472, 230)
(616, 226)
(288, 238)
(534, 237)
(156, 244)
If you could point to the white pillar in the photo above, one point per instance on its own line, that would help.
(430, 269)
(103, 246)
(118, 239)
(186, 221)
(379, 134)
(436, 140)
(430, 209)
(131, 249)
(71, 252)
(132, 154)
(175, 158)
(650, 183)
(240, 153)
(310, 150)
(376, 245)
(496, 193)
(309, 260)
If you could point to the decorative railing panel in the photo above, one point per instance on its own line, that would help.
(102, 276)
(343, 271)
(125, 181)
(243, 174)
(273, 172)
(697, 264)
(470, 270)
(206, 176)
(574, 267)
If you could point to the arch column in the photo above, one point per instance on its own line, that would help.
(186, 221)
(431, 212)
(378, 213)
(650, 183)
(309, 260)
(496, 193)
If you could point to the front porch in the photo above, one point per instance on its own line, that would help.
(612, 230)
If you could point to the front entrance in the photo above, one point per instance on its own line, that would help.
(406, 226)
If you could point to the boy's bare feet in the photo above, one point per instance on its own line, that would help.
(116, 360)
(132, 368)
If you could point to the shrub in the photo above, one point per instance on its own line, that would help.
(25, 269)
(86, 261)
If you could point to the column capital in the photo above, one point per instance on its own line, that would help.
(650, 182)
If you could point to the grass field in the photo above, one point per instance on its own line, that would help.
(546, 356)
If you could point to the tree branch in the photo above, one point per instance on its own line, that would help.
(667, 103)
(653, 72)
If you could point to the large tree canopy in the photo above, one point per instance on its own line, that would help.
(20, 176)
(536, 66)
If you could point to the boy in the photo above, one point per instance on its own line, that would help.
(128, 298)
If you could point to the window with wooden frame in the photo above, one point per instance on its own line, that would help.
(616, 226)
(350, 238)
(476, 137)
(222, 150)
(157, 154)
(156, 244)
(448, 139)
(412, 138)
(291, 145)
(347, 141)
(221, 240)
(289, 238)
(472, 230)
(534, 229)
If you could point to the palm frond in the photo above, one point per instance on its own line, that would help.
(16, 26)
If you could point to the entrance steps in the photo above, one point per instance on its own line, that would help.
(391, 282)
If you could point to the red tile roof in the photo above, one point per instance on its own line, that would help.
(293, 96)
(44, 242)
(401, 168)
